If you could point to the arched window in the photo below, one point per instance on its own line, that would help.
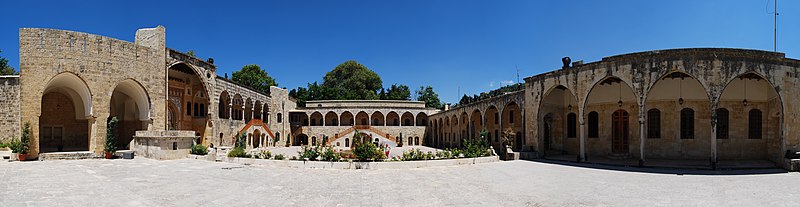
(416, 140)
(280, 117)
(188, 108)
(653, 123)
(496, 134)
(593, 124)
(722, 123)
(347, 142)
(511, 116)
(196, 111)
(754, 124)
(687, 123)
(202, 110)
(496, 118)
(407, 122)
(277, 136)
(571, 125)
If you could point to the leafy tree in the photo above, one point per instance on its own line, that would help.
(430, 97)
(254, 77)
(398, 92)
(5, 69)
(382, 94)
(465, 100)
(352, 81)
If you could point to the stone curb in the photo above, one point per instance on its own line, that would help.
(355, 165)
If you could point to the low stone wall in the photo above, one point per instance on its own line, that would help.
(357, 165)
(163, 145)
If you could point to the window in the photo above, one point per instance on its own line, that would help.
(280, 117)
(347, 142)
(496, 134)
(653, 123)
(511, 116)
(722, 123)
(202, 110)
(407, 122)
(754, 124)
(687, 123)
(188, 108)
(571, 125)
(593, 124)
(496, 118)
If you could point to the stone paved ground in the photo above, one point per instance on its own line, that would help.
(144, 182)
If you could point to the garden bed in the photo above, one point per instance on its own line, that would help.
(356, 164)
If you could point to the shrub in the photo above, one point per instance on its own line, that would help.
(330, 155)
(475, 148)
(3, 144)
(25, 141)
(111, 135)
(15, 145)
(198, 149)
(237, 152)
(293, 158)
(264, 154)
(365, 151)
(310, 153)
(279, 157)
(240, 141)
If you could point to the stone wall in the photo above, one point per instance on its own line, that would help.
(9, 108)
(93, 66)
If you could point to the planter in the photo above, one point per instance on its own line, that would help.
(23, 157)
(109, 155)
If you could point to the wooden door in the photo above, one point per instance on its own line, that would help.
(619, 136)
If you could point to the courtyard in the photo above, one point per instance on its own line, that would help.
(146, 182)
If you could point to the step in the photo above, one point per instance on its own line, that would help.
(69, 155)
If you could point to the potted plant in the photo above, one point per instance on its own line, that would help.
(25, 141)
(111, 138)
(15, 148)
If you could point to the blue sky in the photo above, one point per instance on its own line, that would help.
(471, 45)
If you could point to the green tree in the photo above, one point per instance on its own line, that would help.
(254, 77)
(352, 81)
(431, 99)
(5, 69)
(464, 100)
(398, 92)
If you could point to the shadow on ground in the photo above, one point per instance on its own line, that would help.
(664, 170)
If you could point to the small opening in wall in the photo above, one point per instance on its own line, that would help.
(174, 145)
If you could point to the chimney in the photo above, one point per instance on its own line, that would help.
(210, 60)
(446, 106)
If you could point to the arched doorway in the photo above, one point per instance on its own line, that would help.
(131, 105)
(619, 134)
(257, 138)
(753, 120)
(605, 99)
(63, 124)
(561, 137)
(187, 89)
(300, 140)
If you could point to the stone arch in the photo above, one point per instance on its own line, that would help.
(64, 124)
(740, 95)
(347, 119)
(224, 105)
(492, 123)
(476, 123)
(362, 118)
(130, 103)
(257, 109)
(316, 119)
(422, 119)
(670, 94)
(248, 109)
(512, 119)
(378, 119)
(558, 101)
(238, 107)
(407, 119)
(392, 119)
(607, 96)
(331, 119)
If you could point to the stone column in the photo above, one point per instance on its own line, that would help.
(229, 110)
(642, 137)
(714, 132)
(582, 122)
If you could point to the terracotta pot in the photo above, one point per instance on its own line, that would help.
(108, 155)
(22, 157)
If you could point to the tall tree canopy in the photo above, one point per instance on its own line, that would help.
(352, 81)
(5, 69)
(398, 92)
(253, 77)
(431, 99)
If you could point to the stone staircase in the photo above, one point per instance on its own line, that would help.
(69, 155)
